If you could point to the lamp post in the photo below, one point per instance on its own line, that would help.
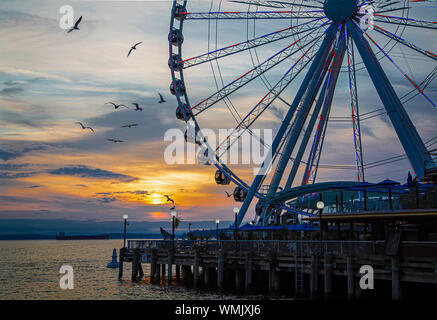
(173, 216)
(217, 225)
(124, 232)
(320, 205)
(236, 210)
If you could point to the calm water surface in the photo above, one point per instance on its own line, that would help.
(30, 270)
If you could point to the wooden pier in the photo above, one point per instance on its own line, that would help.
(300, 269)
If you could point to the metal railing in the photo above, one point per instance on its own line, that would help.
(260, 246)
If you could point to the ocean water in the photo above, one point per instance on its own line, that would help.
(30, 270)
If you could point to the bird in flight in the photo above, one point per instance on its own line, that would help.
(115, 140)
(76, 25)
(134, 47)
(161, 98)
(228, 194)
(84, 127)
(137, 107)
(169, 199)
(116, 106)
(129, 125)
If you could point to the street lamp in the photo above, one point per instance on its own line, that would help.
(236, 210)
(217, 225)
(124, 232)
(173, 216)
(320, 205)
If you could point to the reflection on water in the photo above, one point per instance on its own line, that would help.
(30, 270)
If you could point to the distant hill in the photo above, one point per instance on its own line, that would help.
(48, 228)
(52, 237)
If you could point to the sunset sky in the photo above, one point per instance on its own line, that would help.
(52, 169)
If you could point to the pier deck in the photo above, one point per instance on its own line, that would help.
(300, 268)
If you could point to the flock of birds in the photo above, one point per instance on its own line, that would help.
(136, 105)
(117, 106)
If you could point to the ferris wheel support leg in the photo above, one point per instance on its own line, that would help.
(325, 99)
(315, 68)
(309, 129)
(406, 131)
(301, 118)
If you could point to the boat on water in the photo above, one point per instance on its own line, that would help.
(63, 236)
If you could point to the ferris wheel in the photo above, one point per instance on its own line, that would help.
(295, 53)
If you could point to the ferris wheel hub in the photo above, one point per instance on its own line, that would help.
(339, 10)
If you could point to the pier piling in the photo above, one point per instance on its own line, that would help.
(207, 275)
(350, 278)
(395, 279)
(314, 276)
(170, 266)
(178, 272)
(157, 277)
(153, 266)
(220, 270)
(120, 266)
(249, 272)
(328, 276)
(187, 276)
(134, 268)
(239, 279)
(196, 268)
(139, 267)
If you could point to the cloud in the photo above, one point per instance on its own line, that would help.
(35, 186)
(12, 88)
(88, 172)
(32, 74)
(13, 154)
(13, 166)
(278, 113)
(107, 199)
(9, 175)
(6, 155)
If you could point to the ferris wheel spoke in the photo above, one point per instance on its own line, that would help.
(401, 71)
(275, 4)
(356, 126)
(323, 106)
(392, 10)
(409, 22)
(255, 72)
(244, 15)
(250, 44)
(313, 118)
(406, 43)
(268, 99)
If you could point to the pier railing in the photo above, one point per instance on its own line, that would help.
(261, 246)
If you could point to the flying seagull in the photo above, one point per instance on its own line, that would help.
(161, 98)
(84, 127)
(116, 106)
(137, 107)
(169, 199)
(129, 125)
(134, 47)
(227, 194)
(115, 140)
(76, 25)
